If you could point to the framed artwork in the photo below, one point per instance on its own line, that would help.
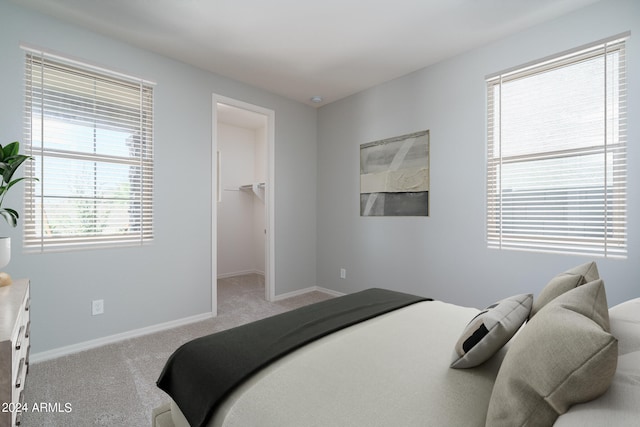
(394, 176)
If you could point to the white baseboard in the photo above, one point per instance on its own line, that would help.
(87, 345)
(307, 290)
(75, 348)
(330, 291)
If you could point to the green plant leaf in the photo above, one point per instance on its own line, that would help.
(13, 162)
(10, 216)
(11, 149)
(10, 161)
(12, 183)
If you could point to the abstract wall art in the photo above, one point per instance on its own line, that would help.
(394, 176)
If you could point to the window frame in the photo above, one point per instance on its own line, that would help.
(48, 101)
(500, 234)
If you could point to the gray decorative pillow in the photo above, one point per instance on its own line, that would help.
(563, 356)
(490, 330)
(564, 282)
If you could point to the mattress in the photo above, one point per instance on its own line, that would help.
(389, 370)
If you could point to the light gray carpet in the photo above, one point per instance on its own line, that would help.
(115, 385)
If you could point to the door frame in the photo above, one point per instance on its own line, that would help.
(269, 274)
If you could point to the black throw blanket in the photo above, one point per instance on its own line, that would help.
(202, 372)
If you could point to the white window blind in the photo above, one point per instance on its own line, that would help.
(91, 135)
(556, 160)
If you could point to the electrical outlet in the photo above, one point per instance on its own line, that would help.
(343, 273)
(97, 307)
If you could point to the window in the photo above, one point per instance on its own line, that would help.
(90, 133)
(556, 154)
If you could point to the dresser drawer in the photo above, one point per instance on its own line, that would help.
(15, 331)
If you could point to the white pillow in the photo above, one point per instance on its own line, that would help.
(619, 405)
(491, 329)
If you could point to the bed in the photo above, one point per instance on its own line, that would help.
(565, 358)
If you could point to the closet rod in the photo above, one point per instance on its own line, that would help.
(250, 186)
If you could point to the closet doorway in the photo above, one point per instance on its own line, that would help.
(243, 219)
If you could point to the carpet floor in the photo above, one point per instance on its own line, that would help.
(115, 385)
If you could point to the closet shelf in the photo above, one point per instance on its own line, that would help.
(251, 186)
(257, 188)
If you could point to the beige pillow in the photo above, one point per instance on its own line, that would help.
(619, 405)
(564, 355)
(490, 330)
(564, 282)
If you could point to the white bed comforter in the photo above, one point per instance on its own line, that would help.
(392, 370)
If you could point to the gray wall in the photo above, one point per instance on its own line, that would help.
(170, 279)
(445, 256)
(318, 229)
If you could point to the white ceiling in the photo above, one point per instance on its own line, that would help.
(299, 49)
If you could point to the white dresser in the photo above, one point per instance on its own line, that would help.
(14, 350)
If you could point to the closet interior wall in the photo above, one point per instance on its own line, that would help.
(241, 206)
